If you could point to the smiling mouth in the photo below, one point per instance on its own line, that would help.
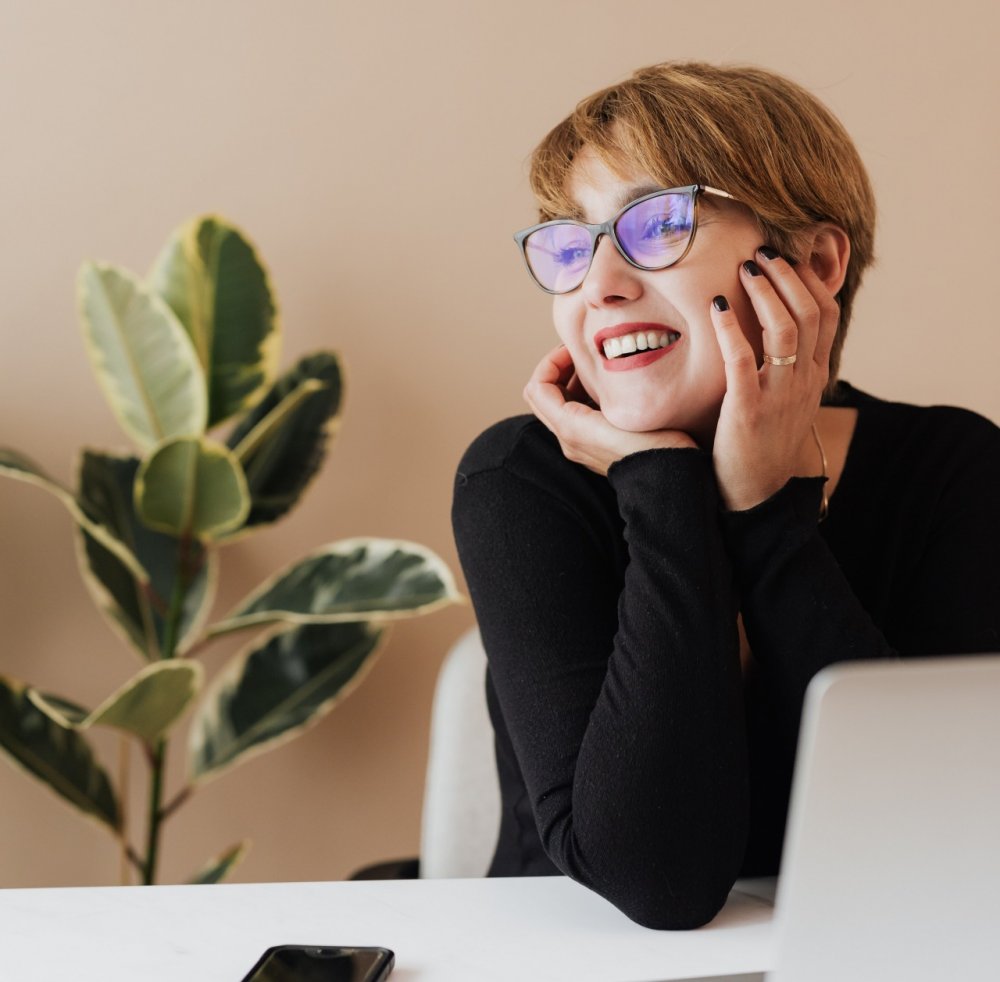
(626, 345)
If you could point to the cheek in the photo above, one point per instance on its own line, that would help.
(568, 326)
(562, 317)
(568, 321)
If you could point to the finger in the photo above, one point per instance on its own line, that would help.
(780, 332)
(577, 427)
(829, 314)
(555, 367)
(796, 296)
(544, 400)
(545, 392)
(738, 357)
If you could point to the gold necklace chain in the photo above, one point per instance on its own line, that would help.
(824, 508)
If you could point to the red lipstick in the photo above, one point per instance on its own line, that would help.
(641, 358)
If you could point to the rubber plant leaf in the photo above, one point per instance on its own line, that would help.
(275, 689)
(282, 440)
(20, 468)
(59, 757)
(64, 711)
(134, 610)
(218, 868)
(142, 357)
(350, 580)
(146, 706)
(192, 487)
(152, 701)
(213, 280)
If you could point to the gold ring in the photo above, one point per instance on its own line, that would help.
(773, 360)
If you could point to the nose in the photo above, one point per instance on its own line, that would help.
(610, 279)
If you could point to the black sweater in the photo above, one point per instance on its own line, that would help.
(634, 754)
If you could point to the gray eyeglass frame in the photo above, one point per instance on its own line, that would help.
(608, 228)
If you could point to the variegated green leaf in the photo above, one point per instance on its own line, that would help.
(142, 357)
(137, 611)
(59, 757)
(192, 487)
(214, 282)
(64, 711)
(19, 467)
(149, 704)
(217, 869)
(270, 692)
(282, 440)
(356, 579)
(146, 706)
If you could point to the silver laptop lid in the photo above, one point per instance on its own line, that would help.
(891, 866)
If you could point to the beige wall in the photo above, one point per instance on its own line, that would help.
(376, 154)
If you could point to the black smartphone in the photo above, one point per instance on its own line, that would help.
(315, 963)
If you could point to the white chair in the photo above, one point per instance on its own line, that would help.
(461, 816)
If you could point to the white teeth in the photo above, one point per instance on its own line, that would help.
(626, 344)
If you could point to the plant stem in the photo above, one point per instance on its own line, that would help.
(158, 752)
(155, 815)
(135, 859)
(171, 806)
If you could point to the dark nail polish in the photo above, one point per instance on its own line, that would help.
(752, 268)
(720, 303)
(768, 253)
(791, 262)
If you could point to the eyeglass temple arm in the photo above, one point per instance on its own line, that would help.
(721, 194)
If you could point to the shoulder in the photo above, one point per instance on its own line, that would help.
(521, 448)
(504, 444)
(517, 464)
(936, 434)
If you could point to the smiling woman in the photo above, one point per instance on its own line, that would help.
(657, 556)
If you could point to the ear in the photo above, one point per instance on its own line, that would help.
(829, 252)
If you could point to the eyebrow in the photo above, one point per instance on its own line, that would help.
(628, 195)
(631, 194)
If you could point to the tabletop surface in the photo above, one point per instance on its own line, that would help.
(531, 928)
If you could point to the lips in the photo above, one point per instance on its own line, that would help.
(635, 344)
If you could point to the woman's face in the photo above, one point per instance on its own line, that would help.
(682, 387)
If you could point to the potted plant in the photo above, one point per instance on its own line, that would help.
(192, 348)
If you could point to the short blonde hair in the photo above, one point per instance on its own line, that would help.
(767, 141)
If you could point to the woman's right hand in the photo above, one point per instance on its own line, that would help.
(585, 436)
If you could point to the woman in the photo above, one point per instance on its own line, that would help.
(698, 516)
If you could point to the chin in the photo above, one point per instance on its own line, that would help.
(635, 419)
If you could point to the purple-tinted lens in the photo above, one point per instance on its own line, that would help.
(559, 256)
(655, 232)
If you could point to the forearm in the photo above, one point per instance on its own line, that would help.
(666, 734)
(623, 699)
(799, 611)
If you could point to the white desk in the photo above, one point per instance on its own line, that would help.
(525, 929)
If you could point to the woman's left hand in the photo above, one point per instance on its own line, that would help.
(767, 412)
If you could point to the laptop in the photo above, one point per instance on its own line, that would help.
(891, 863)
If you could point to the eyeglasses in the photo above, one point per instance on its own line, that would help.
(652, 232)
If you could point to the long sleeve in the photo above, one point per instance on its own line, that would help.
(621, 691)
(633, 755)
(935, 592)
(907, 564)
